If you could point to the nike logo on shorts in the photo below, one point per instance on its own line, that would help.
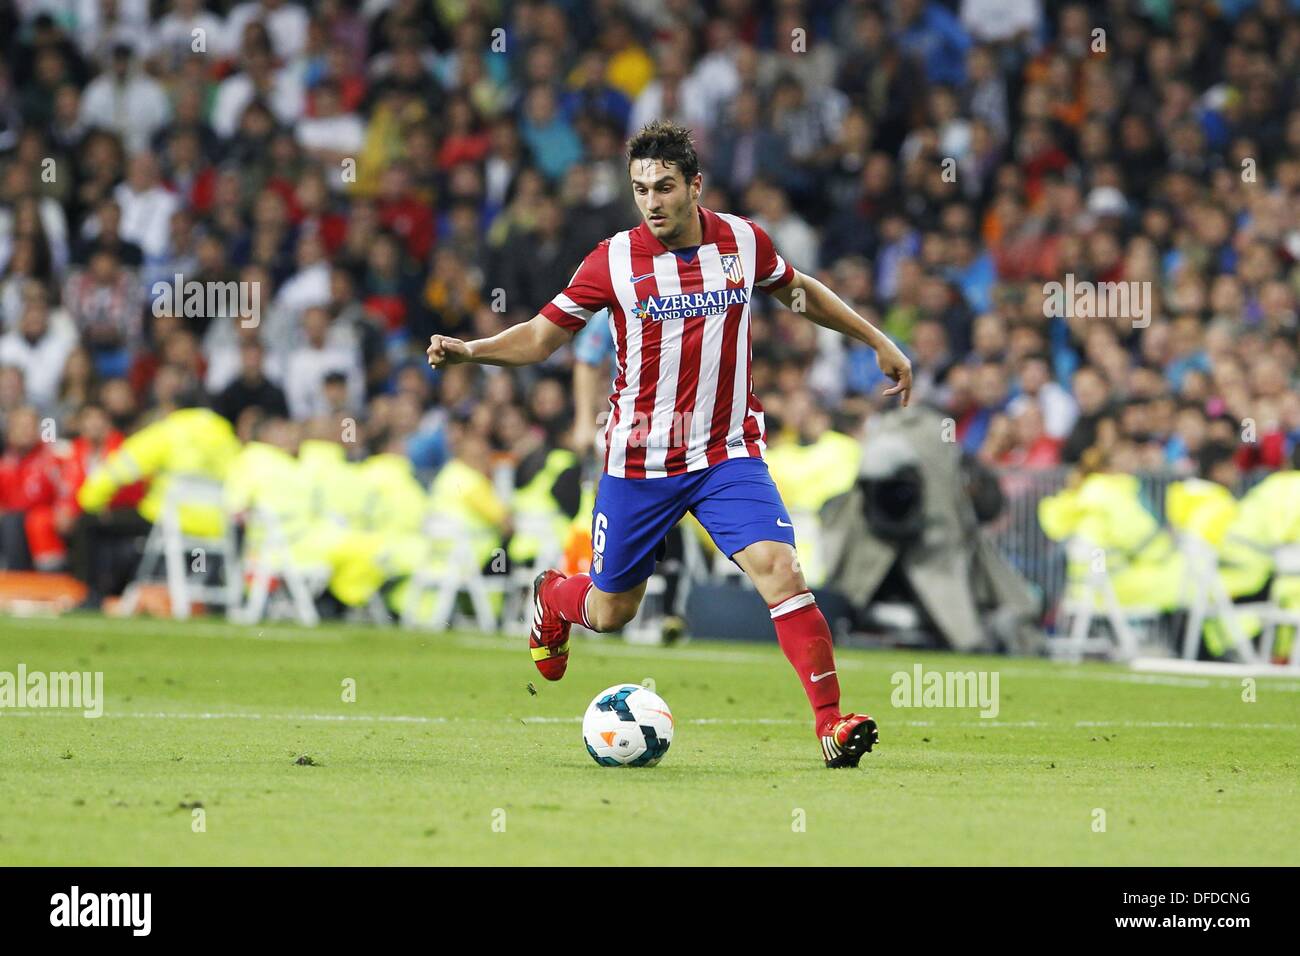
(783, 524)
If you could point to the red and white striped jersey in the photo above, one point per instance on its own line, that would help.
(683, 391)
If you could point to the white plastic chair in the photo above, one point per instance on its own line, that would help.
(1081, 611)
(273, 561)
(1206, 598)
(459, 573)
(1286, 563)
(169, 546)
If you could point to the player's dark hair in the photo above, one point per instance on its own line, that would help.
(667, 142)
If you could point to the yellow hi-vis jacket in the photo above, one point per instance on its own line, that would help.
(535, 499)
(368, 518)
(465, 493)
(396, 502)
(268, 479)
(189, 441)
(1144, 567)
(1266, 518)
(392, 543)
(808, 476)
(334, 484)
(1200, 507)
(1206, 510)
(332, 514)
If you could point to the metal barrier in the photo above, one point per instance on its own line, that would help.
(1018, 536)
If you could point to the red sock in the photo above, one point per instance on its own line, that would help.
(805, 637)
(569, 599)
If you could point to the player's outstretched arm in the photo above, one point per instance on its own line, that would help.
(522, 344)
(828, 310)
(586, 404)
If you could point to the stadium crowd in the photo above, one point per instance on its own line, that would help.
(384, 170)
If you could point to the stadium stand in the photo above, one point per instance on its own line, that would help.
(344, 178)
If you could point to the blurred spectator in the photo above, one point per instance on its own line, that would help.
(258, 81)
(105, 303)
(251, 388)
(125, 100)
(1020, 441)
(40, 350)
(30, 488)
(929, 32)
(174, 36)
(1094, 406)
(1056, 409)
(107, 234)
(313, 362)
(330, 134)
(551, 139)
(146, 207)
(286, 24)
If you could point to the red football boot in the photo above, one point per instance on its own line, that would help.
(848, 739)
(548, 640)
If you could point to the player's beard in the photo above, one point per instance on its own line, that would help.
(676, 220)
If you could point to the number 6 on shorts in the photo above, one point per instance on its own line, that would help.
(598, 543)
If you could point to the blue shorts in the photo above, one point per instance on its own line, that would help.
(735, 500)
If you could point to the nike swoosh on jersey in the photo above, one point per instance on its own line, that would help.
(783, 524)
(636, 279)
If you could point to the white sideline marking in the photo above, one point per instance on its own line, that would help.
(1183, 725)
(1177, 665)
(781, 721)
(1163, 680)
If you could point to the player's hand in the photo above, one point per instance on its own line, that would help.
(898, 367)
(445, 350)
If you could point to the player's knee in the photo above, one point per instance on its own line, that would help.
(784, 584)
(775, 570)
(777, 561)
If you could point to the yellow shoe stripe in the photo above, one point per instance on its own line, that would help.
(542, 653)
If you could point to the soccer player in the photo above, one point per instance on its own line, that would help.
(685, 431)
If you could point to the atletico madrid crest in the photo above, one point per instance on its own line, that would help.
(733, 269)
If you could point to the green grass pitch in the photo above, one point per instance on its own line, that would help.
(445, 757)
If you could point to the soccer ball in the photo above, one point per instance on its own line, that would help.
(627, 726)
